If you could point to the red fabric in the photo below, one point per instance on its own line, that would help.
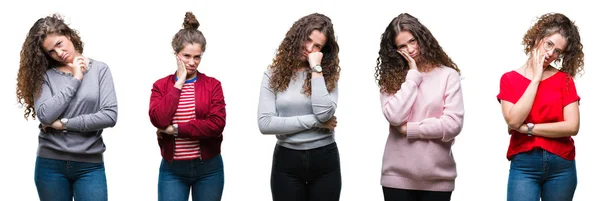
(210, 114)
(553, 94)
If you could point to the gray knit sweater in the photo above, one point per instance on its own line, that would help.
(89, 104)
(293, 117)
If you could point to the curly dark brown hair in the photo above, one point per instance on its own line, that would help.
(189, 34)
(287, 59)
(549, 24)
(35, 61)
(392, 68)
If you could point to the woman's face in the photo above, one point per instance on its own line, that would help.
(191, 54)
(553, 46)
(315, 43)
(59, 48)
(406, 42)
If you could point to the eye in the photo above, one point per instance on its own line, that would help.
(412, 41)
(548, 45)
(557, 51)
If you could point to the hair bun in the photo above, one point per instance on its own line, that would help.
(190, 21)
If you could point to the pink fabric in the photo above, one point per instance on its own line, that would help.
(431, 105)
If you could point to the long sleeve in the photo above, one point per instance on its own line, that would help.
(323, 102)
(397, 107)
(450, 123)
(212, 126)
(163, 104)
(107, 115)
(268, 120)
(49, 107)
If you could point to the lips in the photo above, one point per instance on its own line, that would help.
(64, 57)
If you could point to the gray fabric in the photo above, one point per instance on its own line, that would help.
(89, 104)
(293, 117)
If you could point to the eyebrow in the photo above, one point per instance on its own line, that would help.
(402, 45)
(554, 45)
(55, 44)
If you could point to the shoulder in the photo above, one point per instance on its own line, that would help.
(510, 75)
(163, 80)
(449, 73)
(100, 65)
(268, 72)
(562, 75)
(208, 79)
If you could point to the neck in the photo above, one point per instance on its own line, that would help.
(424, 66)
(190, 76)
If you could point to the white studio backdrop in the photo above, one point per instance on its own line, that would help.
(133, 38)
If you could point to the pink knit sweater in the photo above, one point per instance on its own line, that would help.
(431, 106)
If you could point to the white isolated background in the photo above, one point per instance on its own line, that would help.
(134, 37)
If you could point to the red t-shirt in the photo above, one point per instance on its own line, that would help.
(553, 94)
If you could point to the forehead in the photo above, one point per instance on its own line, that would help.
(51, 40)
(195, 49)
(318, 37)
(559, 41)
(403, 37)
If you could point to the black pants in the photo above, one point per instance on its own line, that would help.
(394, 194)
(306, 175)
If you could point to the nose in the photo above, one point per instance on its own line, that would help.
(191, 62)
(309, 47)
(410, 49)
(59, 52)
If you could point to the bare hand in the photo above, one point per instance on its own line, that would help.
(537, 62)
(78, 67)
(181, 71)
(314, 59)
(168, 130)
(159, 134)
(57, 125)
(403, 129)
(412, 64)
(329, 124)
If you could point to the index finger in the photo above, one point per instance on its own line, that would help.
(177, 56)
(404, 54)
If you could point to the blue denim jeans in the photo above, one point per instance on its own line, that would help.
(204, 177)
(60, 180)
(540, 174)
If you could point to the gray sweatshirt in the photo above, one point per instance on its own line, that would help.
(89, 104)
(293, 117)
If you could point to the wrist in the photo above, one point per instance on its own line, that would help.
(178, 84)
(63, 123)
(316, 68)
(175, 130)
(529, 127)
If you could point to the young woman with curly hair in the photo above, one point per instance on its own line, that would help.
(541, 107)
(298, 99)
(188, 109)
(421, 98)
(74, 99)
